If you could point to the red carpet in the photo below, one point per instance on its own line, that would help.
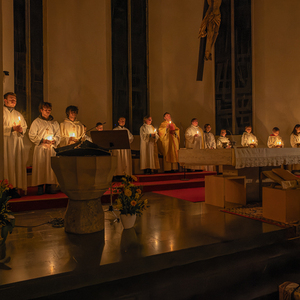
(192, 194)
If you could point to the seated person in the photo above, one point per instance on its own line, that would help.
(223, 141)
(274, 140)
(248, 138)
(295, 137)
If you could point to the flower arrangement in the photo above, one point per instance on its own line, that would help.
(7, 220)
(129, 200)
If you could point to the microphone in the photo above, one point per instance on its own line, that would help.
(232, 142)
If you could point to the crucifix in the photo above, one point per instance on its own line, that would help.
(209, 29)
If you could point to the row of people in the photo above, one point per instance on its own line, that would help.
(47, 134)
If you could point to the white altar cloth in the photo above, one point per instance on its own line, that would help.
(261, 157)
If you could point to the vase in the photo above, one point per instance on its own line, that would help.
(128, 220)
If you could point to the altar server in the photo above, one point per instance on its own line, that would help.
(169, 137)
(124, 159)
(209, 143)
(45, 134)
(295, 137)
(248, 138)
(194, 136)
(209, 138)
(194, 140)
(223, 141)
(274, 140)
(71, 130)
(148, 147)
(14, 128)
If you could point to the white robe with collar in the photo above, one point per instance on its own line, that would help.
(68, 128)
(14, 153)
(42, 172)
(124, 159)
(148, 148)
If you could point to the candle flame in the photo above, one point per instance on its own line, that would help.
(72, 134)
(49, 138)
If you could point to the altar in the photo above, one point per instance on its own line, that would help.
(240, 161)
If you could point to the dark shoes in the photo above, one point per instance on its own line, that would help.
(40, 189)
(49, 189)
(13, 193)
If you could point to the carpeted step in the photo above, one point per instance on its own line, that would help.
(173, 176)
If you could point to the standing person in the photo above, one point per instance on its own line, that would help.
(169, 136)
(45, 134)
(295, 137)
(209, 143)
(148, 147)
(223, 141)
(124, 159)
(274, 140)
(209, 138)
(14, 128)
(194, 140)
(248, 138)
(71, 130)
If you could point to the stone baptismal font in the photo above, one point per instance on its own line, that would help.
(84, 172)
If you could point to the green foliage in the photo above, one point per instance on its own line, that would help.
(7, 220)
(129, 201)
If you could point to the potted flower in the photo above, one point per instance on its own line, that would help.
(129, 201)
(7, 220)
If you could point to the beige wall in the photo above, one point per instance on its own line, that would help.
(78, 64)
(173, 60)
(8, 45)
(276, 66)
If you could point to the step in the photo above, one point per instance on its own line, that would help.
(173, 176)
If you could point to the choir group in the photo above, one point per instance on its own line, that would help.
(46, 134)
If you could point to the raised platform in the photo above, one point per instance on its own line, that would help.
(154, 182)
(177, 250)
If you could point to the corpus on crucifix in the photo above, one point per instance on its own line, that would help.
(210, 26)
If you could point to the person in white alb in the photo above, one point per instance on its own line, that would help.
(194, 140)
(275, 140)
(223, 141)
(45, 134)
(148, 147)
(209, 143)
(248, 138)
(14, 128)
(71, 130)
(124, 159)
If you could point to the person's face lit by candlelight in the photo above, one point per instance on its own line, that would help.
(248, 129)
(276, 133)
(72, 116)
(167, 117)
(195, 122)
(10, 101)
(46, 112)
(121, 122)
(149, 121)
(223, 133)
(99, 127)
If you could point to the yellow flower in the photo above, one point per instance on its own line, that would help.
(146, 201)
(128, 192)
(133, 203)
(137, 196)
(133, 177)
(138, 191)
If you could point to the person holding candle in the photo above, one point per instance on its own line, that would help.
(274, 140)
(194, 140)
(248, 138)
(148, 147)
(223, 141)
(209, 138)
(295, 137)
(169, 137)
(71, 129)
(45, 134)
(124, 159)
(14, 128)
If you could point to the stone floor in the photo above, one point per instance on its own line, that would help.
(43, 260)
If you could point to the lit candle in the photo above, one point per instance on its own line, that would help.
(72, 134)
(19, 121)
(154, 130)
(170, 122)
(197, 132)
(49, 138)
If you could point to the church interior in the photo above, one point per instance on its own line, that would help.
(132, 58)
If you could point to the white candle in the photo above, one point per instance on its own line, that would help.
(19, 121)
